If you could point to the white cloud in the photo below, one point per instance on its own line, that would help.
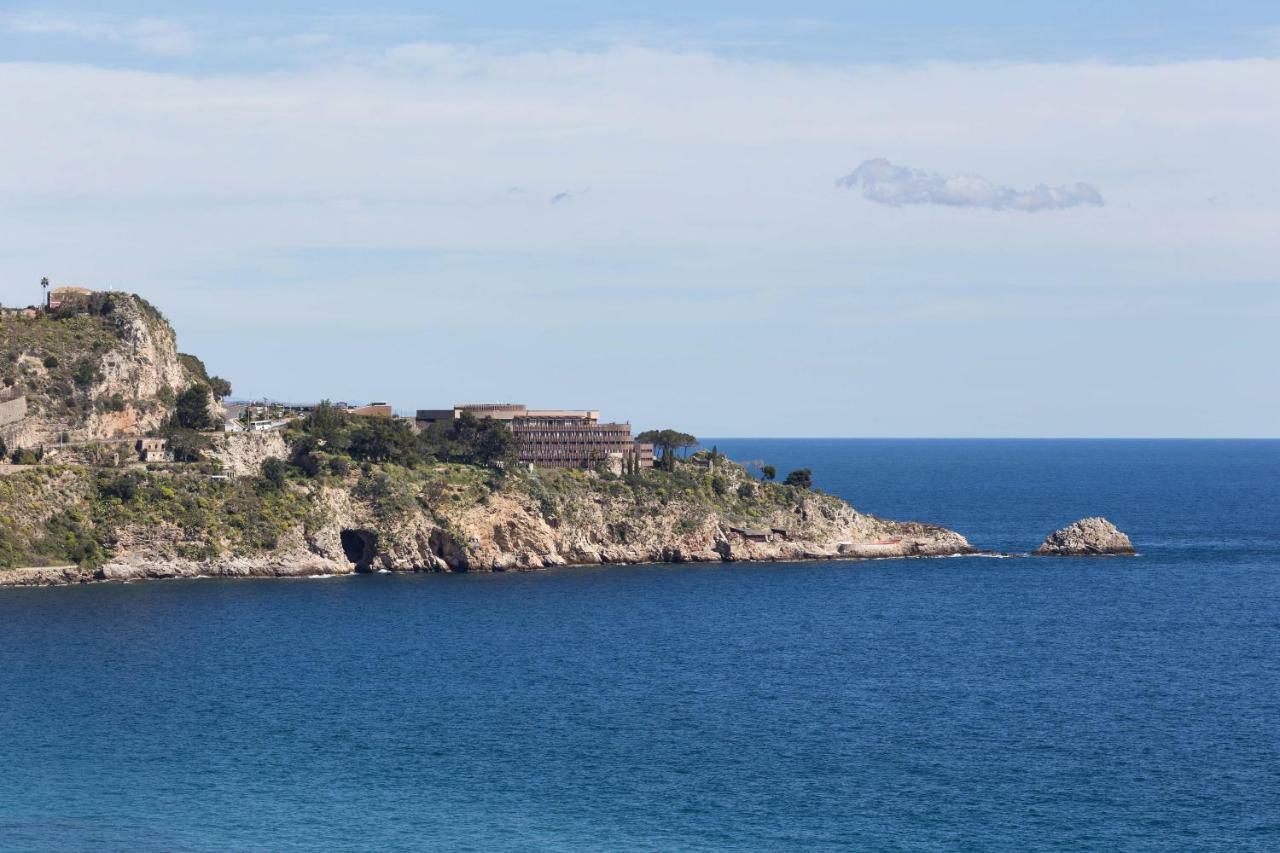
(155, 36)
(885, 183)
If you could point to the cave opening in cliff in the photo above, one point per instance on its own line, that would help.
(360, 547)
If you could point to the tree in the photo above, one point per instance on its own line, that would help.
(274, 473)
(801, 478)
(220, 387)
(187, 445)
(383, 440)
(668, 441)
(328, 423)
(304, 457)
(768, 472)
(470, 440)
(193, 407)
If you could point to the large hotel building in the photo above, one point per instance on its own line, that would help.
(556, 438)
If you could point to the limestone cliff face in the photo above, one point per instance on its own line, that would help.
(142, 371)
(243, 453)
(514, 532)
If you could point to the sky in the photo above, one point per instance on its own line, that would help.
(748, 218)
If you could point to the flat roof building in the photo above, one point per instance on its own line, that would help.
(61, 297)
(373, 410)
(556, 438)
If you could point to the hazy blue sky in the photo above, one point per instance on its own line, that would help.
(746, 218)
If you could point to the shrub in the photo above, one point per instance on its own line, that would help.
(274, 473)
(86, 373)
(747, 491)
(124, 487)
(305, 459)
(801, 478)
(50, 361)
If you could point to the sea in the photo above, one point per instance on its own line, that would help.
(966, 703)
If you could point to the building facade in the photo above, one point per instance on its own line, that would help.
(66, 297)
(557, 438)
(154, 450)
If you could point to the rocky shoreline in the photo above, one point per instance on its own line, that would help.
(1089, 537)
(928, 541)
(305, 501)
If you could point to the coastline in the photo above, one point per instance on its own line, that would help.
(307, 565)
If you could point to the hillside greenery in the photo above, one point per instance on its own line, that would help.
(54, 361)
(63, 515)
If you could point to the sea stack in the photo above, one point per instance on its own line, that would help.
(1087, 537)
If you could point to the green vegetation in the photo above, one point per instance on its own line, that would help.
(801, 478)
(768, 473)
(667, 441)
(220, 387)
(54, 361)
(57, 515)
(692, 490)
(75, 515)
(193, 408)
(328, 433)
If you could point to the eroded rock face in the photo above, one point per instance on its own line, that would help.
(1086, 537)
(137, 376)
(243, 453)
(509, 530)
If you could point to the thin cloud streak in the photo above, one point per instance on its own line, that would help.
(885, 183)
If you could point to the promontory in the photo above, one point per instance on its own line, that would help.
(120, 465)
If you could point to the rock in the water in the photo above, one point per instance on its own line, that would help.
(1088, 536)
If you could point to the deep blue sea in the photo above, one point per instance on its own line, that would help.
(947, 704)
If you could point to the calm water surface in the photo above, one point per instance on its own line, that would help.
(950, 704)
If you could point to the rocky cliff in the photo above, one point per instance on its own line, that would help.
(241, 454)
(444, 518)
(108, 369)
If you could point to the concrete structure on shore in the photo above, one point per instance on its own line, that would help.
(556, 438)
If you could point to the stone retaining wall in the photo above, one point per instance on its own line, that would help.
(12, 411)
